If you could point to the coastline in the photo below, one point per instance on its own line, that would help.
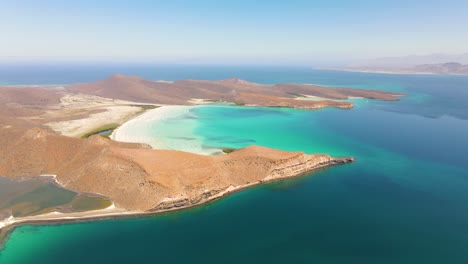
(112, 212)
(157, 114)
(389, 71)
(107, 109)
(144, 129)
(333, 214)
(98, 112)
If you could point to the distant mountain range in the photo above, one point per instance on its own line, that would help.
(447, 68)
(411, 61)
(440, 68)
(430, 64)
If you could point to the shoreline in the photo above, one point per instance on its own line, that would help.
(149, 115)
(114, 126)
(389, 72)
(108, 107)
(113, 212)
(187, 143)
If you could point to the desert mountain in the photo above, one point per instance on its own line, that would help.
(140, 179)
(231, 90)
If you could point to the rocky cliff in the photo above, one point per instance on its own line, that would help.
(141, 179)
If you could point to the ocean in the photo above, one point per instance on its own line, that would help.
(404, 200)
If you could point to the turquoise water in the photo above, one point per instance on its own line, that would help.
(403, 201)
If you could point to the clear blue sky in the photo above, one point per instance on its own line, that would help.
(239, 31)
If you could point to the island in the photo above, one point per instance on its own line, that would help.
(430, 68)
(62, 132)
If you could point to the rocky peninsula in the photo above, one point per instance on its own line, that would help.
(41, 131)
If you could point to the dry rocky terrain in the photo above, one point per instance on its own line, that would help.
(36, 124)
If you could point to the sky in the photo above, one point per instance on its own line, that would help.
(238, 32)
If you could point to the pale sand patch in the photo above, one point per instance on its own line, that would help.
(110, 211)
(311, 98)
(158, 114)
(180, 140)
(199, 101)
(79, 127)
(317, 98)
(113, 112)
(163, 81)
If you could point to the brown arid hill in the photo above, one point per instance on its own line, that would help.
(141, 179)
(231, 90)
(21, 106)
(31, 96)
(134, 176)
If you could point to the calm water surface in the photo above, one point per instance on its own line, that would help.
(403, 201)
(21, 197)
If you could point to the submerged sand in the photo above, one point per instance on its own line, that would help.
(150, 128)
(137, 179)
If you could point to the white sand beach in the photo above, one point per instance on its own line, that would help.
(166, 127)
(110, 211)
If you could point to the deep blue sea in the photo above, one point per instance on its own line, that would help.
(404, 200)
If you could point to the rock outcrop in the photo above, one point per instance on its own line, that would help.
(141, 179)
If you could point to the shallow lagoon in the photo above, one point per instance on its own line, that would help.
(403, 201)
(34, 196)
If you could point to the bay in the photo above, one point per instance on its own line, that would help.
(403, 201)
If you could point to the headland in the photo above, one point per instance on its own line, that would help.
(42, 130)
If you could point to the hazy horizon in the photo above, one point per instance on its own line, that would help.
(401, 61)
(209, 32)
